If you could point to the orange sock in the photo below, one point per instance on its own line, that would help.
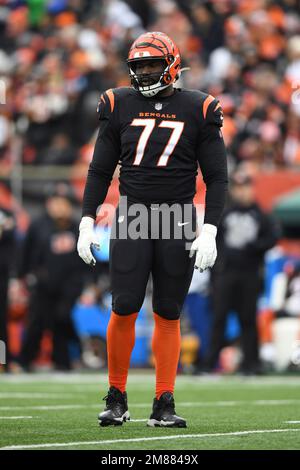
(166, 350)
(120, 342)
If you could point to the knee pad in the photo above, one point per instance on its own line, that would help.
(167, 308)
(125, 304)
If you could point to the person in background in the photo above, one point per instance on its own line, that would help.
(7, 249)
(245, 234)
(50, 265)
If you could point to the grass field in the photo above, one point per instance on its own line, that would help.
(59, 411)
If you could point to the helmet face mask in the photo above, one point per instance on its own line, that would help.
(149, 84)
(154, 47)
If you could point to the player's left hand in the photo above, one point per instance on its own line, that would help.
(205, 248)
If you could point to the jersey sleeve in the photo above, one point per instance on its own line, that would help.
(212, 159)
(105, 157)
(212, 112)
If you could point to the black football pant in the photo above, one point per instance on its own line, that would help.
(157, 252)
(49, 311)
(237, 291)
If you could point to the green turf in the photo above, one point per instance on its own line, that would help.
(211, 406)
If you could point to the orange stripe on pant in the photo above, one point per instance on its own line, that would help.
(120, 342)
(166, 350)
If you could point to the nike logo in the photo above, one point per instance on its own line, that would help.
(121, 219)
(180, 224)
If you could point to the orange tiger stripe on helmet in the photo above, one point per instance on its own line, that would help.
(155, 44)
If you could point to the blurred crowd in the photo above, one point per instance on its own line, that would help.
(57, 56)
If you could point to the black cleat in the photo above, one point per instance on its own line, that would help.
(116, 410)
(164, 414)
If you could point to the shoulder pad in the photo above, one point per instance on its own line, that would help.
(106, 104)
(123, 92)
(212, 111)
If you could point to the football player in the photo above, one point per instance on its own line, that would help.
(160, 135)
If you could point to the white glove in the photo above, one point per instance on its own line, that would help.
(205, 248)
(87, 238)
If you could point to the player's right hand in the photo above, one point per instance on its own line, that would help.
(87, 239)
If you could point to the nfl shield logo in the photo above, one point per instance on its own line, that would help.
(158, 106)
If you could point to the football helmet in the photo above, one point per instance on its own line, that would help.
(154, 46)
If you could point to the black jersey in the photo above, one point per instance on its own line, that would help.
(159, 143)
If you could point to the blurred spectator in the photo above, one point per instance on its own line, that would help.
(244, 235)
(7, 249)
(60, 152)
(55, 275)
(281, 348)
(197, 309)
(285, 300)
(58, 56)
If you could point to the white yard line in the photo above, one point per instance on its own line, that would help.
(147, 439)
(292, 422)
(42, 395)
(91, 379)
(226, 403)
(148, 405)
(48, 407)
(16, 417)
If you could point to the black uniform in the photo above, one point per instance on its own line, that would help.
(7, 249)
(49, 253)
(244, 235)
(159, 143)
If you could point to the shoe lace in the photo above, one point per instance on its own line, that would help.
(112, 397)
(109, 398)
(168, 404)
